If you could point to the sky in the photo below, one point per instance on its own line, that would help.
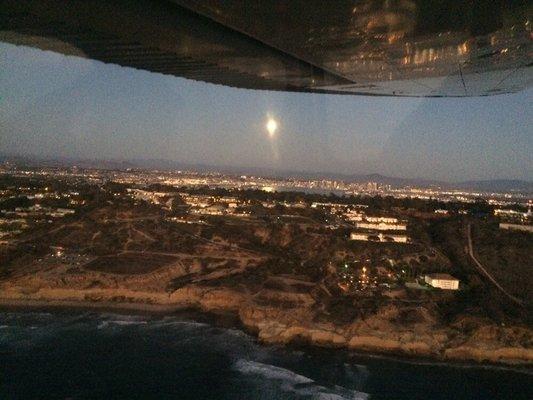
(52, 105)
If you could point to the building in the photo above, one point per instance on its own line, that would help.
(353, 216)
(442, 281)
(381, 226)
(517, 227)
(512, 214)
(385, 220)
(214, 209)
(380, 237)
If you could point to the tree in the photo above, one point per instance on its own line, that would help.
(15, 202)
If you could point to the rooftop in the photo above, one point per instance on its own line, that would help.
(442, 276)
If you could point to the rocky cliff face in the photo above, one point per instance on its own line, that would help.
(279, 317)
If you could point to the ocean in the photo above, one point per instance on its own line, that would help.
(97, 355)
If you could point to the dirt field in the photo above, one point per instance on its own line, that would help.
(130, 263)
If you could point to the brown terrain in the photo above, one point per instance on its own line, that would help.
(270, 275)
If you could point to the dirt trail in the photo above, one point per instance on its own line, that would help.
(484, 271)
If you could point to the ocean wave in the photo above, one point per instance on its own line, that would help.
(290, 381)
(163, 324)
(25, 316)
(119, 323)
(113, 320)
(237, 333)
(126, 323)
(448, 364)
(172, 322)
(122, 317)
(270, 371)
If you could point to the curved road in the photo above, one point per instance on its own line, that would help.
(484, 271)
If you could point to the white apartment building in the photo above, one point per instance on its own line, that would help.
(442, 281)
(509, 213)
(517, 227)
(382, 237)
(382, 226)
(385, 220)
(353, 216)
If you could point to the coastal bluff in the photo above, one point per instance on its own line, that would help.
(289, 318)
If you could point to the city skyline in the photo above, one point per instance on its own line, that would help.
(57, 106)
(266, 199)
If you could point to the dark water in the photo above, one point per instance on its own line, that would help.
(106, 356)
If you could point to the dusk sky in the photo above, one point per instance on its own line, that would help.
(52, 105)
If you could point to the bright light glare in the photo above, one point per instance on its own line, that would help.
(271, 126)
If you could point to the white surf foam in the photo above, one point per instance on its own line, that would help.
(119, 323)
(180, 324)
(270, 371)
(290, 381)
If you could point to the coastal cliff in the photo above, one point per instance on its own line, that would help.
(278, 317)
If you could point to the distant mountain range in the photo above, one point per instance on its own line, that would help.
(493, 185)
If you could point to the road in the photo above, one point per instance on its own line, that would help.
(484, 271)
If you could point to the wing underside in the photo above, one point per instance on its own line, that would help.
(381, 48)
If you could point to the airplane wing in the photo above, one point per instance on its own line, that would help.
(425, 48)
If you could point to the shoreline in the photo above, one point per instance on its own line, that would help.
(230, 319)
(226, 319)
(140, 308)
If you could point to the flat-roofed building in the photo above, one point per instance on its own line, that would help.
(386, 220)
(517, 227)
(442, 281)
(353, 216)
(382, 226)
(214, 209)
(380, 237)
(509, 213)
(441, 211)
(359, 236)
